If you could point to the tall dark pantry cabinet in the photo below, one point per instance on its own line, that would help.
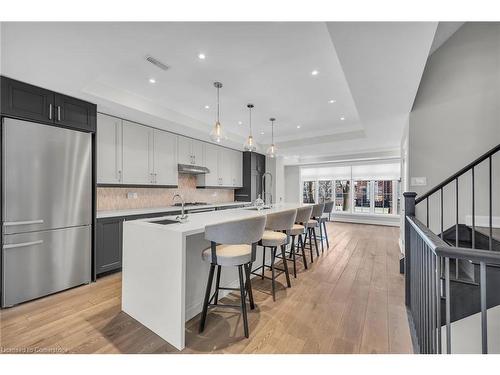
(254, 167)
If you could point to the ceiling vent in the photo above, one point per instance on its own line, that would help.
(157, 62)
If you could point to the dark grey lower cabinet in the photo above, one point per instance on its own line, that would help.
(109, 244)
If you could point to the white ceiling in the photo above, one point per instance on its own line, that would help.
(371, 70)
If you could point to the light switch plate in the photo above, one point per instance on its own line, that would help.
(131, 195)
(419, 181)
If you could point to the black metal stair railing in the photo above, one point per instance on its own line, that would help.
(428, 258)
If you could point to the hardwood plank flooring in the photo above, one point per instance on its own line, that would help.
(350, 300)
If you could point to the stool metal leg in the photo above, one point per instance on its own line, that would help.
(273, 254)
(292, 253)
(326, 235)
(303, 248)
(217, 284)
(248, 267)
(310, 243)
(263, 261)
(243, 301)
(315, 241)
(285, 264)
(207, 296)
(321, 237)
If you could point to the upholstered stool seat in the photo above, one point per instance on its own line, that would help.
(229, 255)
(312, 223)
(271, 238)
(296, 230)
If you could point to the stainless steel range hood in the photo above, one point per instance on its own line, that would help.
(192, 169)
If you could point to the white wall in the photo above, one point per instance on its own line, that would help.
(292, 184)
(456, 118)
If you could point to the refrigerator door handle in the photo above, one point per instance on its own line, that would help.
(22, 244)
(28, 222)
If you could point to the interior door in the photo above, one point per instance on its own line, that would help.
(165, 158)
(109, 149)
(137, 163)
(46, 177)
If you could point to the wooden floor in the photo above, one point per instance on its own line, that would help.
(350, 301)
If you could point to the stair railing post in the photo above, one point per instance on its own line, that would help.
(409, 211)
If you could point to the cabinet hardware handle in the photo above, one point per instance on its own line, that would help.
(119, 176)
(22, 244)
(27, 222)
(50, 111)
(58, 113)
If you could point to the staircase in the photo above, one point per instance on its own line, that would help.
(452, 276)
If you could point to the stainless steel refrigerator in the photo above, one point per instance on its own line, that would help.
(46, 210)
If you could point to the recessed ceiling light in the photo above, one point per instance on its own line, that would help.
(342, 118)
(261, 133)
(152, 80)
(314, 72)
(207, 107)
(298, 126)
(239, 122)
(201, 56)
(331, 101)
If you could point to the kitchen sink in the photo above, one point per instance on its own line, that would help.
(165, 222)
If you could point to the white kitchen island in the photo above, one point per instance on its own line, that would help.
(163, 275)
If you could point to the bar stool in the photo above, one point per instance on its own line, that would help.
(298, 229)
(311, 225)
(317, 215)
(323, 219)
(275, 236)
(232, 244)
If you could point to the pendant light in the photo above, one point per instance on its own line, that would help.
(216, 134)
(249, 144)
(271, 151)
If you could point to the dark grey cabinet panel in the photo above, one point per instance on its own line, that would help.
(254, 166)
(109, 245)
(22, 100)
(75, 113)
(32, 103)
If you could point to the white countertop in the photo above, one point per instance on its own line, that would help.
(153, 210)
(196, 222)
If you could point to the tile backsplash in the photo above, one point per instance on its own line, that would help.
(115, 198)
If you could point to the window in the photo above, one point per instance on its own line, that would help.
(362, 193)
(383, 197)
(325, 193)
(342, 195)
(309, 192)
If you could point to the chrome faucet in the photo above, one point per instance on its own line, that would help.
(183, 216)
(264, 190)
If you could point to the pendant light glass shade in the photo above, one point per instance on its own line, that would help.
(217, 134)
(249, 143)
(271, 150)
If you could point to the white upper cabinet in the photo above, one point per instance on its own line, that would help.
(164, 158)
(225, 167)
(212, 163)
(109, 149)
(238, 169)
(191, 151)
(137, 155)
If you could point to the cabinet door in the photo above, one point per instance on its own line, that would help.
(225, 167)
(164, 158)
(137, 158)
(184, 154)
(109, 149)
(238, 168)
(22, 100)
(75, 113)
(212, 163)
(198, 151)
(108, 245)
